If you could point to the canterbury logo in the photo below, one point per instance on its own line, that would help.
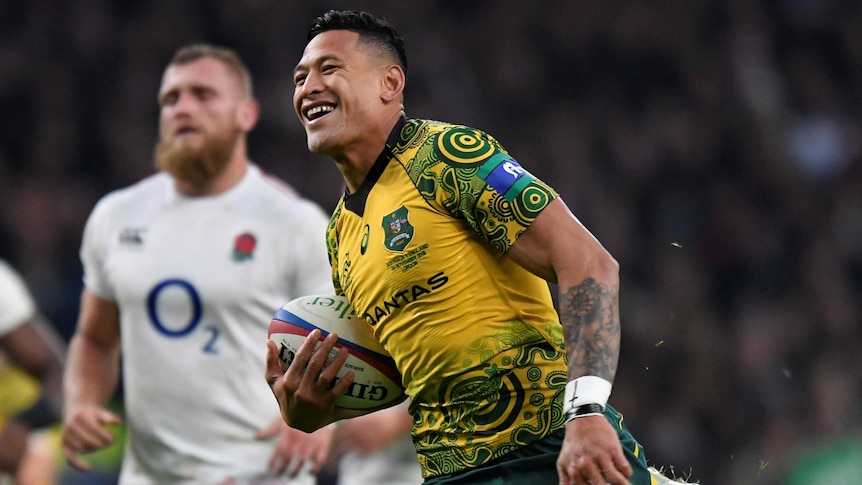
(132, 236)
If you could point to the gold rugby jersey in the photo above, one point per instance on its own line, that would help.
(18, 390)
(419, 250)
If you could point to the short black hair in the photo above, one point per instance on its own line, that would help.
(371, 29)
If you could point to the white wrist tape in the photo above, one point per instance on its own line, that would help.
(585, 390)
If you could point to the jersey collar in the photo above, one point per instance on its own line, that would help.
(355, 202)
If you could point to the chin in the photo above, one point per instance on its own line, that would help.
(319, 145)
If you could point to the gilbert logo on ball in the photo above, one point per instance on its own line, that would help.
(377, 383)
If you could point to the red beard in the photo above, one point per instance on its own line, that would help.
(195, 165)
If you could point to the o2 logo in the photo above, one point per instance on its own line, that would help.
(179, 331)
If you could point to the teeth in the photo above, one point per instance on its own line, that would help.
(317, 110)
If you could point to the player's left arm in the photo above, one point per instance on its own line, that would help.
(557, 247)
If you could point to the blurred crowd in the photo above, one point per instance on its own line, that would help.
(714, 147)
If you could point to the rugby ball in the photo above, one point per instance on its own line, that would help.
(377, 382)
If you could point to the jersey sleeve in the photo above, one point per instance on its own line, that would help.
(481, 183)
(93, 250)
(16, 303)
(312, 274)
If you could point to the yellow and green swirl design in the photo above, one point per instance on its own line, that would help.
(444, 161)
(464, 147)
(503, 398)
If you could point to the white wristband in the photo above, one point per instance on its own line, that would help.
(585, 390)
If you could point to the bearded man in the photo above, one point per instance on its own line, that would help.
(182, 273)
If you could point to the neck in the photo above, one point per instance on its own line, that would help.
(225, 180)
(355, 162)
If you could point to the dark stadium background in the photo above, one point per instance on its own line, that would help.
(713, 146)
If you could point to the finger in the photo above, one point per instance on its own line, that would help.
(314, 464)
(331, 368)
(270, 431)
(99, 438)
(623, 465)
(330, 372)
(611, 474)
(590, 473)
(577, 479)
(87, 438)
(292, 466)
(321, 355)
(564, 472)
(277, 464)
(316, 459)
(273, 366)
(97, 435)
(75, 461)
(309, 466)
(341, 386)
(106, 417)
(288, 464)
(303, 355)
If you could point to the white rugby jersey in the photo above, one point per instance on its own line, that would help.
(16, 302)
(197, 280)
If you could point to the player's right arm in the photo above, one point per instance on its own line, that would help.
(374, 431)
(91, 377)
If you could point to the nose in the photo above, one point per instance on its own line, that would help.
(312, 84)
(185, 102)
(183, 105)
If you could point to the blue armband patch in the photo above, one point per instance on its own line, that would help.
(505, 175)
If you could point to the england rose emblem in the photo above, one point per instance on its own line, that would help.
(243, 247)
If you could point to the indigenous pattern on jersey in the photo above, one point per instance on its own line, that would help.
(419, 250)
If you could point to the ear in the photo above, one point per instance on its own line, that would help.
(393, 84)
(247, 114)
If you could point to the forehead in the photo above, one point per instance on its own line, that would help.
(339, 44)
(203, 72)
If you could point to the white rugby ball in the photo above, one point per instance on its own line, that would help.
(377, 382)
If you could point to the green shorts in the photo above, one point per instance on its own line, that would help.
(536, 464)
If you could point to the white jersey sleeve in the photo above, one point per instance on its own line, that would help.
(94, 248)
(16, 302)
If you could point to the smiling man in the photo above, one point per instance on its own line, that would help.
(445, 245)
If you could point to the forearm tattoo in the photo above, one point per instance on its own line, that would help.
(589, 313)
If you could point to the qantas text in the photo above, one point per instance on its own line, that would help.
(404, 297)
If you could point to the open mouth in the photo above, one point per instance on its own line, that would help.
(185, 131)
(319, 111)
